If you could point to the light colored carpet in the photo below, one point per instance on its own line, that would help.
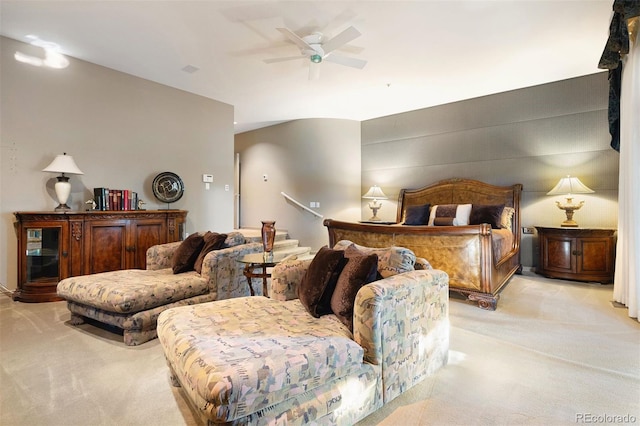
(553, 353)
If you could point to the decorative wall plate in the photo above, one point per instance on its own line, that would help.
(168, 187)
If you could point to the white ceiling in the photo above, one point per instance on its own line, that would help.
(419, 53)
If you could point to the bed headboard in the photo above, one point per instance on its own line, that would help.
(462, 191)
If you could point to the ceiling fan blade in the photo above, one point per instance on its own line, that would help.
(287, 58)
(341, 39)
(294, 38)
(314, 71)
(343, 60)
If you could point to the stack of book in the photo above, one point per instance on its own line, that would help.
(115, 199)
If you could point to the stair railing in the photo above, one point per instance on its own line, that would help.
(301, 205)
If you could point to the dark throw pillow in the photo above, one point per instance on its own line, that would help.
(318, 283)
(186, 254)
(491, 214)
(417, 215)
(358, 271)
(212, 241)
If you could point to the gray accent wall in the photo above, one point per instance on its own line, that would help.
(533, 136)
(121, 130)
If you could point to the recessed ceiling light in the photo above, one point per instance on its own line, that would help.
(190, 69)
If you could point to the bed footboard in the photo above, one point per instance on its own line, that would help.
(464, 252)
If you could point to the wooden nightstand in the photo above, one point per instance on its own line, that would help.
(577, 253)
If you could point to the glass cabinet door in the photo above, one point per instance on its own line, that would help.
(43, 254)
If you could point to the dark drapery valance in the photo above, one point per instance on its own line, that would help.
(616, 47)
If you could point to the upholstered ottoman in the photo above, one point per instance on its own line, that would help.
(239, 358)
(132, 299)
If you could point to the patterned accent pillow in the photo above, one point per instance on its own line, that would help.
(391, 260)
(319, 282)
(459, 212)
(234, 239)
(491, 214)
(360, 269)
(416, 215)
(422, 263)
(507, 216)
(212, 241)
(186, 254)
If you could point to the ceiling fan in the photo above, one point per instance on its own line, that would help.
(317, 48)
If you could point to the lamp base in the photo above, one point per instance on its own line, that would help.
(63, 190)
(569, 208)
(374, 206)
(62, 208)
(569, 224)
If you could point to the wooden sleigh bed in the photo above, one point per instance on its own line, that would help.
(479, 259)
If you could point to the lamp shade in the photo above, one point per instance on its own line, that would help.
(570, 185)
(63, 164)
(375, 193)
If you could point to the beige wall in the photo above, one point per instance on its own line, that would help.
(120, 129)
(314, 160)
(532, 136)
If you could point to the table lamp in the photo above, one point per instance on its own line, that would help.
(63, 164)
(374, 193)
(568, 186)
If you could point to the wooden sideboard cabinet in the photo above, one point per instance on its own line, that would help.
(577, 253)
(56, 245)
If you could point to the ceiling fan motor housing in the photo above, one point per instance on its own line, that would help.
(314, 38)
(314, 41)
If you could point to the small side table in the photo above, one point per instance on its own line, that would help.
(256, 267)
(578, 254)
